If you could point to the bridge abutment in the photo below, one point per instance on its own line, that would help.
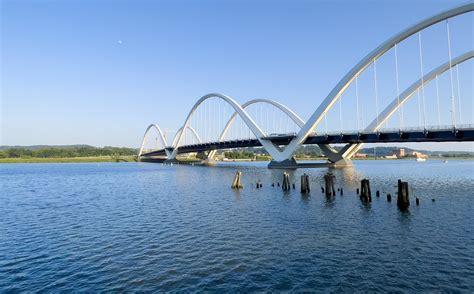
(285, 164)
(341, 163)
(209, 162)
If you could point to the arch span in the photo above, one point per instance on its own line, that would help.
(193, 131)
(162, 137)
(271, 149)
(396, 103)
(344, 83)
(291, 114)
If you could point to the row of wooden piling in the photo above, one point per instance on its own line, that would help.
(365, 193)
(403, 195)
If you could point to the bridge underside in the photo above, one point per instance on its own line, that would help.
(446, 135)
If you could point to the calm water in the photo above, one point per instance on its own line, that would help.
(144, 226)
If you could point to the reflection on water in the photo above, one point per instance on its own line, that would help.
(92, 227)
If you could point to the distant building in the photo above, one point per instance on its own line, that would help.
(419, 155)
(401, 153)
(393, 156)
(360, 155)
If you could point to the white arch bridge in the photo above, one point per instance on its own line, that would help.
(433, 107)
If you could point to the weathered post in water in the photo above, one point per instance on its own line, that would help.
(403, 201)
(236, 184)
(305, 184)
(286, 182)
(329, 184)
(365, 194)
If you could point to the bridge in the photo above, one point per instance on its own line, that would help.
(432, 108)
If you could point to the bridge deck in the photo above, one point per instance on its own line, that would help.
(446, 135)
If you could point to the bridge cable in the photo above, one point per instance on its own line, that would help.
(398, 89)
(280, 128)
(453, 109)
(340, 114)
(218, 118)
(357, 103)
(268, 120)
(376, 92)
(287, 129)
(459, 94)
(422, 80)
(273, 118)
(437, 98)
(208, 116)
(326, 122)
(419, 105)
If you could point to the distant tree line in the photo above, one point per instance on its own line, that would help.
(87, 151)
(239, 155)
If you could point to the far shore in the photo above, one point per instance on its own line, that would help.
(134, 159)
(69, 159)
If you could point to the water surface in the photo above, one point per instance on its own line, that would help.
(145, 227)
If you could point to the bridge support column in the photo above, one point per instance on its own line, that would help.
(341, 163)
(337, 159)
(285, 164)
(171, 161)
(209, 162)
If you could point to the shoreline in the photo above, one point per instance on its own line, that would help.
(88, 159)
(92, 159)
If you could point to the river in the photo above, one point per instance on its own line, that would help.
(148, 227)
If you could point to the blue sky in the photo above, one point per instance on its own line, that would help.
(98, 72)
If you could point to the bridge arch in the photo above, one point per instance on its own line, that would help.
(396, 103)
(271, 149)
(162, 137)
(285, 109)
(344, 83)
(193, 131)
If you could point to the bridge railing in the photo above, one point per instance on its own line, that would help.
(404, 129)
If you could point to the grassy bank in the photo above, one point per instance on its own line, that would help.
(69, 159)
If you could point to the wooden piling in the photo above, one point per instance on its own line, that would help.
(389, 198)
(236, 184)
(403, 201)
(357, 191)
(377, 193)
(417, 201)
(305, 184)
(286, 182)
(342, 192)
(365, 194)
(329, 184)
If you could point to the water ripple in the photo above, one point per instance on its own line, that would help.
(147, 227)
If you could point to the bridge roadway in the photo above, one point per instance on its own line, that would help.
(388, 136)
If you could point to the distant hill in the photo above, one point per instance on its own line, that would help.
(385, 151)
(63, 151)
(314, 150)
(37, 147)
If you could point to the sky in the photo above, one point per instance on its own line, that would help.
(99, 72)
